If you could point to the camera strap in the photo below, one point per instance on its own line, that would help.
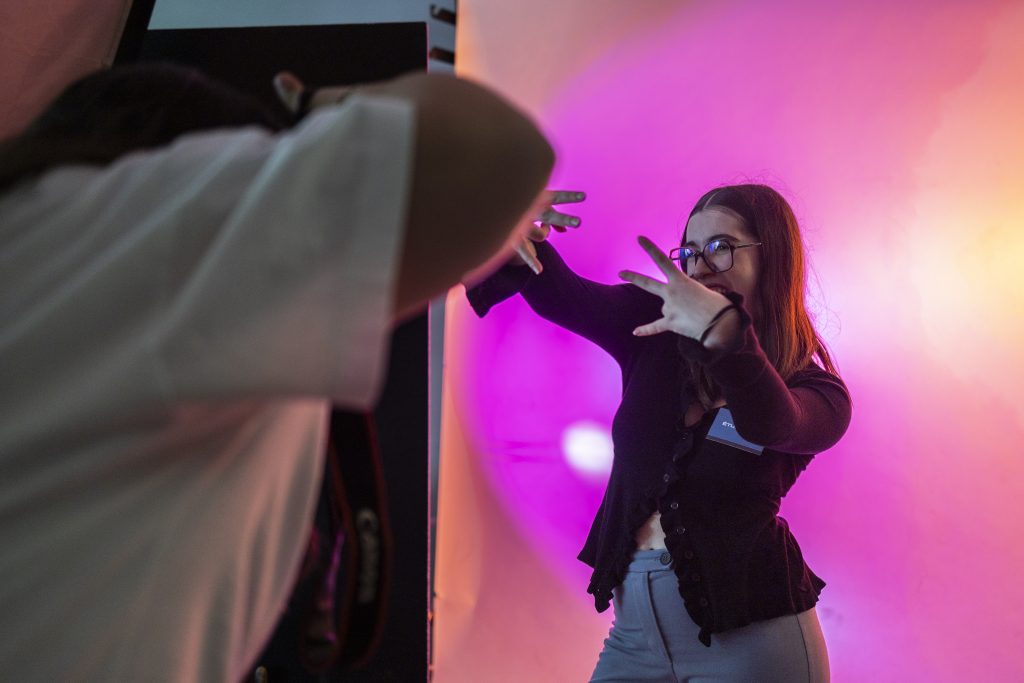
(349, 607)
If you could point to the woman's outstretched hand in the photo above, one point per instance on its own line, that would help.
(543, 223)
(689, 307)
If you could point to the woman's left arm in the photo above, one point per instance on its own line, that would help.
(809, 415)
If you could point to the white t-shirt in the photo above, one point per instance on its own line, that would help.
(173, 328)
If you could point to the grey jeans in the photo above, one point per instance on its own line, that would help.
(654, 639)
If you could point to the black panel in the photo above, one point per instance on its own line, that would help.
(249, 57)
(134, 31)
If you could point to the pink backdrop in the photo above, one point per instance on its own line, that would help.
(895, 130)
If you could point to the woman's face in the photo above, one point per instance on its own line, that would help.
(719, 223)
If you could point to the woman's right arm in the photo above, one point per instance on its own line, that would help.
(603, 314)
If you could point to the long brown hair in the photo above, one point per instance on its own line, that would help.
(781, 321)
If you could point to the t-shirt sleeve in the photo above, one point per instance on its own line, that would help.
(231, 264)
(294, 293)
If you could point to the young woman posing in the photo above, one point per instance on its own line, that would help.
(728, 393)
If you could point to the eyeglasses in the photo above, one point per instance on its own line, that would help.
(717, 255)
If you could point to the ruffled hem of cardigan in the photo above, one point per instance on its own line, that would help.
(602, 581)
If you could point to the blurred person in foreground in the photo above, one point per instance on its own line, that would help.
(187, 288)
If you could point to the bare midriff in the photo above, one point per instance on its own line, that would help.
(651, 536)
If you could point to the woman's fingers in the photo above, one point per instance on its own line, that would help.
(566, 196)
(657, 327)
(538, 233)
(648, 284)
(558, 220)
(660, 258)
(527, 252)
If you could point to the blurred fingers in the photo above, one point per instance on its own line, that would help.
(527, 252)
(559, 219)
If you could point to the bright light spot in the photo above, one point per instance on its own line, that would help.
(588, 449)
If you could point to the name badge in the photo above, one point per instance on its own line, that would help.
(723, 430)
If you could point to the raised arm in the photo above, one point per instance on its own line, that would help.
(604, 314)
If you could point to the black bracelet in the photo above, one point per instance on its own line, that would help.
(714, 321)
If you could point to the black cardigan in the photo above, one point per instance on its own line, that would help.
(735, 558)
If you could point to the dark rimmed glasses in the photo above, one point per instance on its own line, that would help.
(717, 255)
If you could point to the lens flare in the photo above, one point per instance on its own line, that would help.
(587, 447)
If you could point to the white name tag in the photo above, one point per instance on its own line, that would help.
(723, 430)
